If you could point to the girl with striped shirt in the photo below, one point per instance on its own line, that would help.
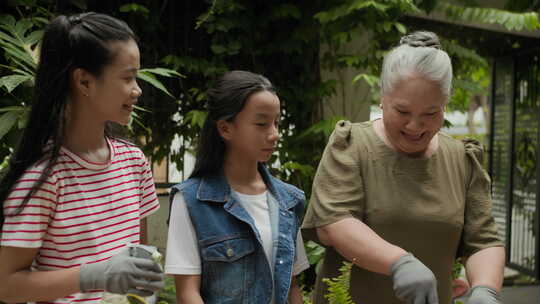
(74, 196)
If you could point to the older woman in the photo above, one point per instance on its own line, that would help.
(400, 199)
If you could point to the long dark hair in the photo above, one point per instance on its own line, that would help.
(225, 100)
(78, 41)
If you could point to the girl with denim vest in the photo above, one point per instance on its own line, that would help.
(234, 229)
(74, 196)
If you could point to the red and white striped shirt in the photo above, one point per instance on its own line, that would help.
(84, 212)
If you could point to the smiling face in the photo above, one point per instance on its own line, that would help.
(253, 133)
(116, 91)
(413, 113)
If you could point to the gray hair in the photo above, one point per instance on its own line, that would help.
(419, 52)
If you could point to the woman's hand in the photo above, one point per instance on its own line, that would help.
(414, 283)
(354, 240)
(483, 295)
(485, 271)
(486, 268)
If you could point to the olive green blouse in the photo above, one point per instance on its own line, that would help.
(438, 208)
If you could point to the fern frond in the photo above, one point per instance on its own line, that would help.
(338, 288)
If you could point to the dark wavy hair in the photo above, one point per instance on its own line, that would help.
(225, 100)
(78, 41)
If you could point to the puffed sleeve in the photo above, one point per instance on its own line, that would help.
(338, 190)
(480, 229)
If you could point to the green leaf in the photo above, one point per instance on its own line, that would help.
(135, 118)
(21, 27)
(20, 55)
(13, 109)
(400, 27)
(387, 26)
(162, 72)
(7, 20)
(510, 20)
(371, 80)
(34, 37)
(7, 121)
(142, 109)
(351, 7)
(314, 251)
(25, 73)
(152, 80)
(135, 8)
(11, 82)
(360, 4)
(286, 10)
(24, 68)
(218, 49)
(209, 15)
(5, 38)
(305, 170)
(196, 118)
(323, 127)
(18, 43)
(42, 21)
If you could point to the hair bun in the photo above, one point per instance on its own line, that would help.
(421, 39)
(75, 19)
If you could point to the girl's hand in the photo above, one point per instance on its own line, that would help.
(122, 274)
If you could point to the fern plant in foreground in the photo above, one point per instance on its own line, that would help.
(338, 288)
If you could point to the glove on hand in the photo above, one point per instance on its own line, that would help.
(483, 295)
(414, 283)
(121, 274)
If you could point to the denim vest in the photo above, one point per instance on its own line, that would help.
(234, 267)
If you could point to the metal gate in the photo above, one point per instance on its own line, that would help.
(514, 152)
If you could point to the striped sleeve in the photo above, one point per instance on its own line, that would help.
(26, 226)
(149, 201)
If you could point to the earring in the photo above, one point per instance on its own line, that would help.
(380, 105)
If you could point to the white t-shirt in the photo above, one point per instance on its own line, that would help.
(257, 207)
(182, 249)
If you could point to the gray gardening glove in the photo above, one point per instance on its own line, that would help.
(414, 283)
(122, 274)
(145, 252)
(483, 295)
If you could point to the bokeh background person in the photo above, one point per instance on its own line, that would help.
(402, 200)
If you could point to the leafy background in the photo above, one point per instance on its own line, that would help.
(185, 45)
